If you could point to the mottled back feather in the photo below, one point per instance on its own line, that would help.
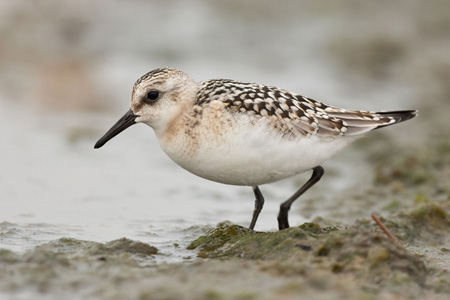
(292, 114)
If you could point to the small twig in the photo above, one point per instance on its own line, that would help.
(385, 230)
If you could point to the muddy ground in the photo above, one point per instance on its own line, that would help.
(310, 261)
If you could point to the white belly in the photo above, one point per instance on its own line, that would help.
(250, 155)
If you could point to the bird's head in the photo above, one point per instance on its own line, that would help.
(158, 97)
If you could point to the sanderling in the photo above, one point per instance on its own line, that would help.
(245, 133)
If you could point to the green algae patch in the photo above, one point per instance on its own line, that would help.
(229, 240)
(217, 237)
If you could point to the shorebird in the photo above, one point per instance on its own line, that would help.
(245, 134)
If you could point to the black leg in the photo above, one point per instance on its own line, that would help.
(259, 203)
(286, 206)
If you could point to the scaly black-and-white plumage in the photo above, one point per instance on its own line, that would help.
(297, 115)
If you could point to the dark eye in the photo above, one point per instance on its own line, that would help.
(152, 96)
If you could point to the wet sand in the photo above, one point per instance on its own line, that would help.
(342, 262)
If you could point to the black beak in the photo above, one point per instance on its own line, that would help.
(126, 121)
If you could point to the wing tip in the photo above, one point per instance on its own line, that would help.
(398, 116)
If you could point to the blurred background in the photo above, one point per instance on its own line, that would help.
(66, 72)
